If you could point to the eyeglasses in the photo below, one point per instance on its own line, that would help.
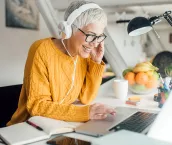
(91, 38)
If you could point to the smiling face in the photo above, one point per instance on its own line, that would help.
(78, 45)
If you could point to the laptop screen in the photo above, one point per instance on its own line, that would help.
(162, 126)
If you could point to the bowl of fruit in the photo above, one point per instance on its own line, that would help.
(143, 78)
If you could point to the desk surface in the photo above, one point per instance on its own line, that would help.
(106, 96)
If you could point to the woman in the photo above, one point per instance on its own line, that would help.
(60, 71)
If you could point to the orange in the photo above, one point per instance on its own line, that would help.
(141, 78)
(152, 83)
(130, 76)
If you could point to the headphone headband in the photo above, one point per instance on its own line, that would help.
(79, 11)
(64, 27)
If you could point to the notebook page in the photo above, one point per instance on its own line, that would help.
(21, 133)
(52, 126)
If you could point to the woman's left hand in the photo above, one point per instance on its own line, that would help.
(97, 53)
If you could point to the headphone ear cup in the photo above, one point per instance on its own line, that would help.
(65, 30)
(68, 31)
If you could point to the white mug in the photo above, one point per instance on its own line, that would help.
(120, 87)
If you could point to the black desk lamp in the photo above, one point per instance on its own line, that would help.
(141, 25)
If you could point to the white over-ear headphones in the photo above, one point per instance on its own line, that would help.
(65, 29)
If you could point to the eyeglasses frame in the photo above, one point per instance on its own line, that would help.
(92, 35)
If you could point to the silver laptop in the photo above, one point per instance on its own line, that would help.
(126, 118)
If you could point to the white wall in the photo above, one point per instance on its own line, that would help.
(14, 45)
(164, 38)
(131, 49)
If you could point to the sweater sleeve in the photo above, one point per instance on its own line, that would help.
(92, 81)
(39, 99)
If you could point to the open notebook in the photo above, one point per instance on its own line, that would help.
(23, 133)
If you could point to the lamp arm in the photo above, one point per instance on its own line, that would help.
(156, 19)
(167, 16)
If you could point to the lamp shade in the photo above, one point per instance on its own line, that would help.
(138, 26)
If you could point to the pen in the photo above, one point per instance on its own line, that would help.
(34, 125)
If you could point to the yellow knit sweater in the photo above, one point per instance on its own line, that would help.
(47, 79)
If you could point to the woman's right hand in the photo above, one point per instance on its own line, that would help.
(100, 111)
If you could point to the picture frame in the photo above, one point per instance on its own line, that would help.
(22, 14)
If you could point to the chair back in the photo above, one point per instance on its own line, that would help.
(9, 96)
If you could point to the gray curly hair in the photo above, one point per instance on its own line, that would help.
(87, 17)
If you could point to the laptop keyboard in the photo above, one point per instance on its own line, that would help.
(137, 122)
